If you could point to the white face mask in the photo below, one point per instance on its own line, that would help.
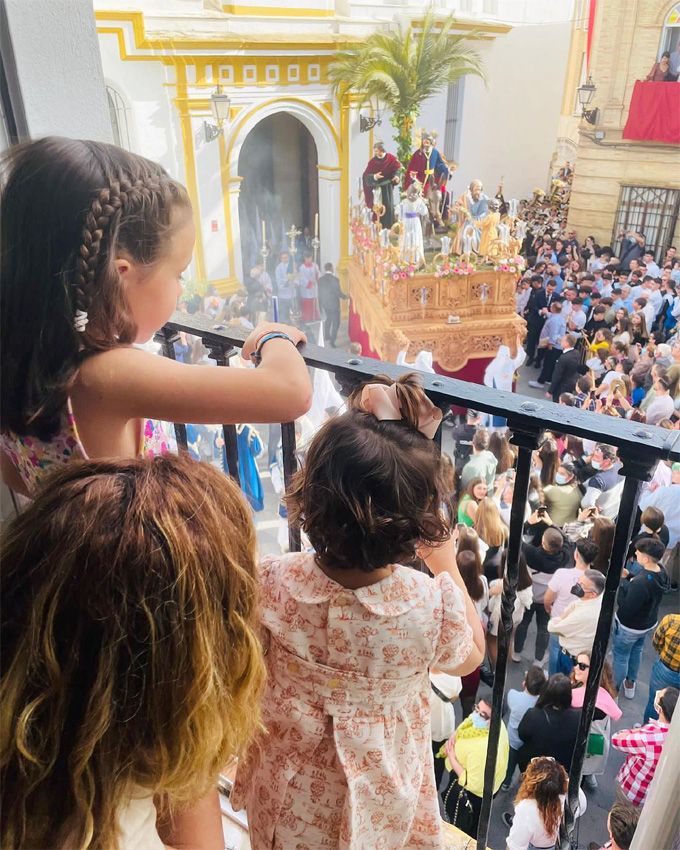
(596, 464)
(561, 479)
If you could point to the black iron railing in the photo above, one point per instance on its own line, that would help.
(640, 447)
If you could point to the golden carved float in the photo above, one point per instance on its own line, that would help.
(458, 317)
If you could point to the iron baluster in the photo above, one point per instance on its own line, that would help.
(221, 354)
(167, 337)
(527, 440)
(636, 470)
(289, 469)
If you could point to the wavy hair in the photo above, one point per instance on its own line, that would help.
(69, 209)
(371, 490)
(544, 780)
(130, 648)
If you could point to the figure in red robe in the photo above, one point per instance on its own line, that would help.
(429, 169)
(382, 172)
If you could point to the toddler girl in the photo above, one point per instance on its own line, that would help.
(93, 245)
(131, 665)
(347, 758)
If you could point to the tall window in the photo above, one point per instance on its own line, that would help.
(670, 34)
(119, 119)
(454, 114)
(651, 211)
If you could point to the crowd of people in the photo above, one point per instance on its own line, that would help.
(143, 645)
(602, 329)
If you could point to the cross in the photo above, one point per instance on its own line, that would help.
(293, 234)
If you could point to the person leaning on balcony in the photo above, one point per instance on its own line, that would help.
(642, 747)
(345, 749)
(661, 70)
(117, 235)
(129, 621)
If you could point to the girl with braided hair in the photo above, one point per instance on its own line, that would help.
(94, 241)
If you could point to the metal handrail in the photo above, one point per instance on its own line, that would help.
(640, 447)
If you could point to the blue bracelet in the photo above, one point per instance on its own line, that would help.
(256, 356)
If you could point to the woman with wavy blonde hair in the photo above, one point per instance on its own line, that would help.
(539, 805)
(131, 664)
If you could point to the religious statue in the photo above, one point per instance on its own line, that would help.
(428, 168)
(409, 211)
(471, 208)
(382, 172)
(488, 229)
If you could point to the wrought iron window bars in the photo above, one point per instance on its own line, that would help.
(640, 447)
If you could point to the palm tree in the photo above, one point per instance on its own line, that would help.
(403, 68)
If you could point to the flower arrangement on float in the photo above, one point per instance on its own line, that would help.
(450, 268)
(514, 265)
(402, 271)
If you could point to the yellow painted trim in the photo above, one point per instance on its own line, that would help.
(260, 106)
(190, 171)
(344, 177)
(328, 106)
(220, 41)
(226, 202)
(474, 26)
(329, 168)
(273, 12)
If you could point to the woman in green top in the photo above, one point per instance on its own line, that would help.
(475, 491)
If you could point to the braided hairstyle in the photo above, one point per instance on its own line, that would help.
(69, 209)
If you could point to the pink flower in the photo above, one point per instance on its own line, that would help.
(395, 276)
(403, 275)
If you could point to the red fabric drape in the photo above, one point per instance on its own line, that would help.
(654, 114)
(592, 8)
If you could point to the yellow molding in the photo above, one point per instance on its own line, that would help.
(190, 171)
(272, 12)
(344, 177)
(226, 202)
(329, 168)
(220, 41)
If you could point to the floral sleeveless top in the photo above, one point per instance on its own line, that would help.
(34, 458)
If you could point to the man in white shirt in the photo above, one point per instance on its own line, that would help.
(577, 317)
(667, 500)
(651, 266)
(604, 488)
(576, 627)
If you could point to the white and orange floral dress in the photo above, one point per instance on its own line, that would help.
(346, 761)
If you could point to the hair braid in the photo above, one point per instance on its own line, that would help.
(108, 205)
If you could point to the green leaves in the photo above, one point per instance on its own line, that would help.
(404, 67)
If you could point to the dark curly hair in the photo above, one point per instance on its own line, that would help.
(371, 490)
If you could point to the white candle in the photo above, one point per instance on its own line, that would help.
(264, 236)
(446, 245)
(316, 224)
(512, 207)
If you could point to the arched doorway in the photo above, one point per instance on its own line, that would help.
(278, 166)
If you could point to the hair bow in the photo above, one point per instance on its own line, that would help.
(382, 401)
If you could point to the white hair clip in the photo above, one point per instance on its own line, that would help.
(80, 321)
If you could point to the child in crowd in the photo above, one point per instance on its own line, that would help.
(519, 702)
(94, 243)
(351, 636)
(131, 665)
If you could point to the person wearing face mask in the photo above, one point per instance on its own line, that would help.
(563, 498)
(605, 486)
(466, 759)
(558, 597)
(576, 627)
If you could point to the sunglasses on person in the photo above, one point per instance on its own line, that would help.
(539, 758)
(481, 713)
(581, 665)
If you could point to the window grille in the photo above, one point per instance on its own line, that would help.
(119, 119)
(651, 211)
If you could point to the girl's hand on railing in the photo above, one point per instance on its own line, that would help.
(251, 343)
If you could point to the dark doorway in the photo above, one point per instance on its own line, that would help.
(278, 163)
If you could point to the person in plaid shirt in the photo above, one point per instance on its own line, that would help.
(643, 748)
(666, 669)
